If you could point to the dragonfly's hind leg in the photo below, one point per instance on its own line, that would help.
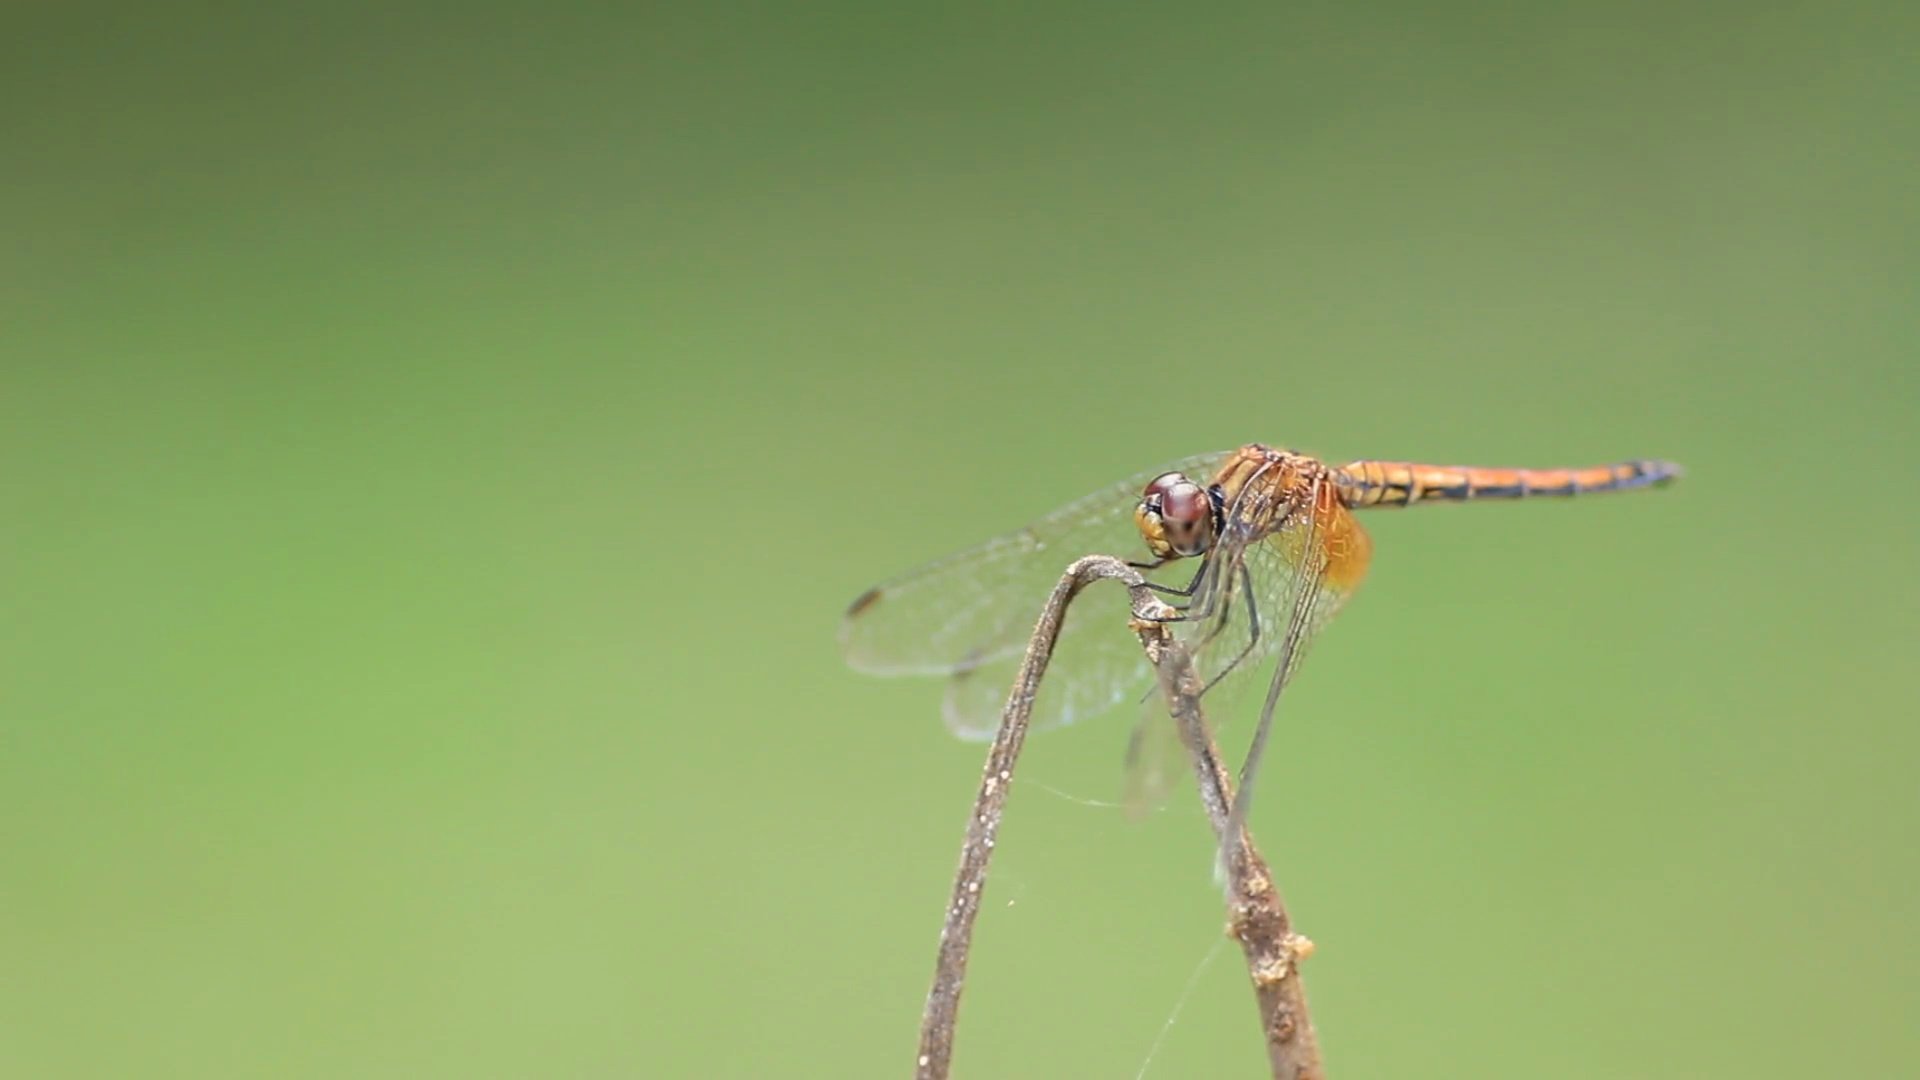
(1253, 632)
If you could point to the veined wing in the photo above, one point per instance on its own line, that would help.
(969, 615)
(1305, 568)
(1285, 564)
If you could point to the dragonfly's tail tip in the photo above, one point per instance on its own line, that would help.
(1663, 472)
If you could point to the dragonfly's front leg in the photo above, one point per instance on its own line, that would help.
(1192, 584)
(1226, 612)
(1203, 607)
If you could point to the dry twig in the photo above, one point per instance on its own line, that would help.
(1257, 919)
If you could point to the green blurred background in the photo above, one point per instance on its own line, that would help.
(437, 442)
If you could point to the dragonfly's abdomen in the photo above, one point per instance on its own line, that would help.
(1403, 483)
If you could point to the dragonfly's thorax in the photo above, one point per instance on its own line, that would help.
(1260, 486)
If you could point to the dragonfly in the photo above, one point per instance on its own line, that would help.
(1256, 549)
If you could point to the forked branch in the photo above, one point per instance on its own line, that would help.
(1257, 918)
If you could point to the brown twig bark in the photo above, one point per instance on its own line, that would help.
(1257, 919)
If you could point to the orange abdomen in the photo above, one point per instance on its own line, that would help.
(1403, 483)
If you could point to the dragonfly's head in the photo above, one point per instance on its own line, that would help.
(1177, 517)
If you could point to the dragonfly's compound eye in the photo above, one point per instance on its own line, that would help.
(1175, 516)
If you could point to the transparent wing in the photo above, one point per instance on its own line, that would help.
(1096, 665)
(1225, 646)
(1156, 760)
(969, 615)
(1315, 559)
(1286, 562)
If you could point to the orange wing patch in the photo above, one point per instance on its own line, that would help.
(1349, 548)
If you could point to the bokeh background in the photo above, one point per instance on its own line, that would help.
(437, 442)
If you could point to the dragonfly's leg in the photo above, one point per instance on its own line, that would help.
(1226, 614)
(1188, 614)
(1253, 632)
(1180, 615)
(1192, 586)
(1221, 623)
